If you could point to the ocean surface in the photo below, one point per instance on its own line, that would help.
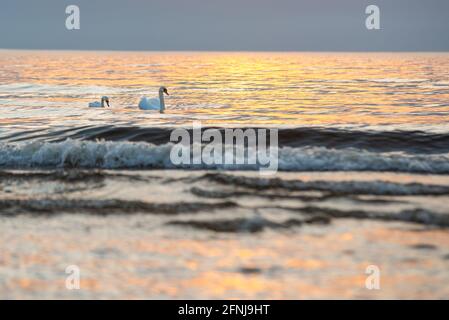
(363, 175)
(371, 112)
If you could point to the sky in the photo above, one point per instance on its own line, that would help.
(226, 25)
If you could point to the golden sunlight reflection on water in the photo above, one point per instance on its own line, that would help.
(325, 89)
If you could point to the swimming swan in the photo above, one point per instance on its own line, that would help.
(97, 104)
(155, 103)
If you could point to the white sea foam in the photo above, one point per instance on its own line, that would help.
(324, 159)
(125, 154)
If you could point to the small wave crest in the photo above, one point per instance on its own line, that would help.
(376, 187)
(142, 155)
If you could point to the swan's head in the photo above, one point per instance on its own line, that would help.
(163, 90)
(105, 99)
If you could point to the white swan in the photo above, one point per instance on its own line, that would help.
(154, 103)
(97, 104)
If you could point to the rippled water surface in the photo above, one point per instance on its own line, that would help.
(52, 89)
(363, 176)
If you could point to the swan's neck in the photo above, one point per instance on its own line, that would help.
(102, 103)
(162, 101)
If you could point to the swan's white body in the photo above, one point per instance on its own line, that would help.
(154, 103)
(95, 104)
(98, 104)
(150, 104)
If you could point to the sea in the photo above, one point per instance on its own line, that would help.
(362, 176)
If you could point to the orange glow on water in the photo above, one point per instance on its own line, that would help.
(237, 88)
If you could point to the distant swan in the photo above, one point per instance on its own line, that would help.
(97, 104)
(154, 103)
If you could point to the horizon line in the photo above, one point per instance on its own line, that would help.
(224, 51)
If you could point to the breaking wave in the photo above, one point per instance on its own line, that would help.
(143, 155)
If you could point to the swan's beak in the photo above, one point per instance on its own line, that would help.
(107, 102)
(166, 92)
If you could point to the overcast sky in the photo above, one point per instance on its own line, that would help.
(237, 25)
